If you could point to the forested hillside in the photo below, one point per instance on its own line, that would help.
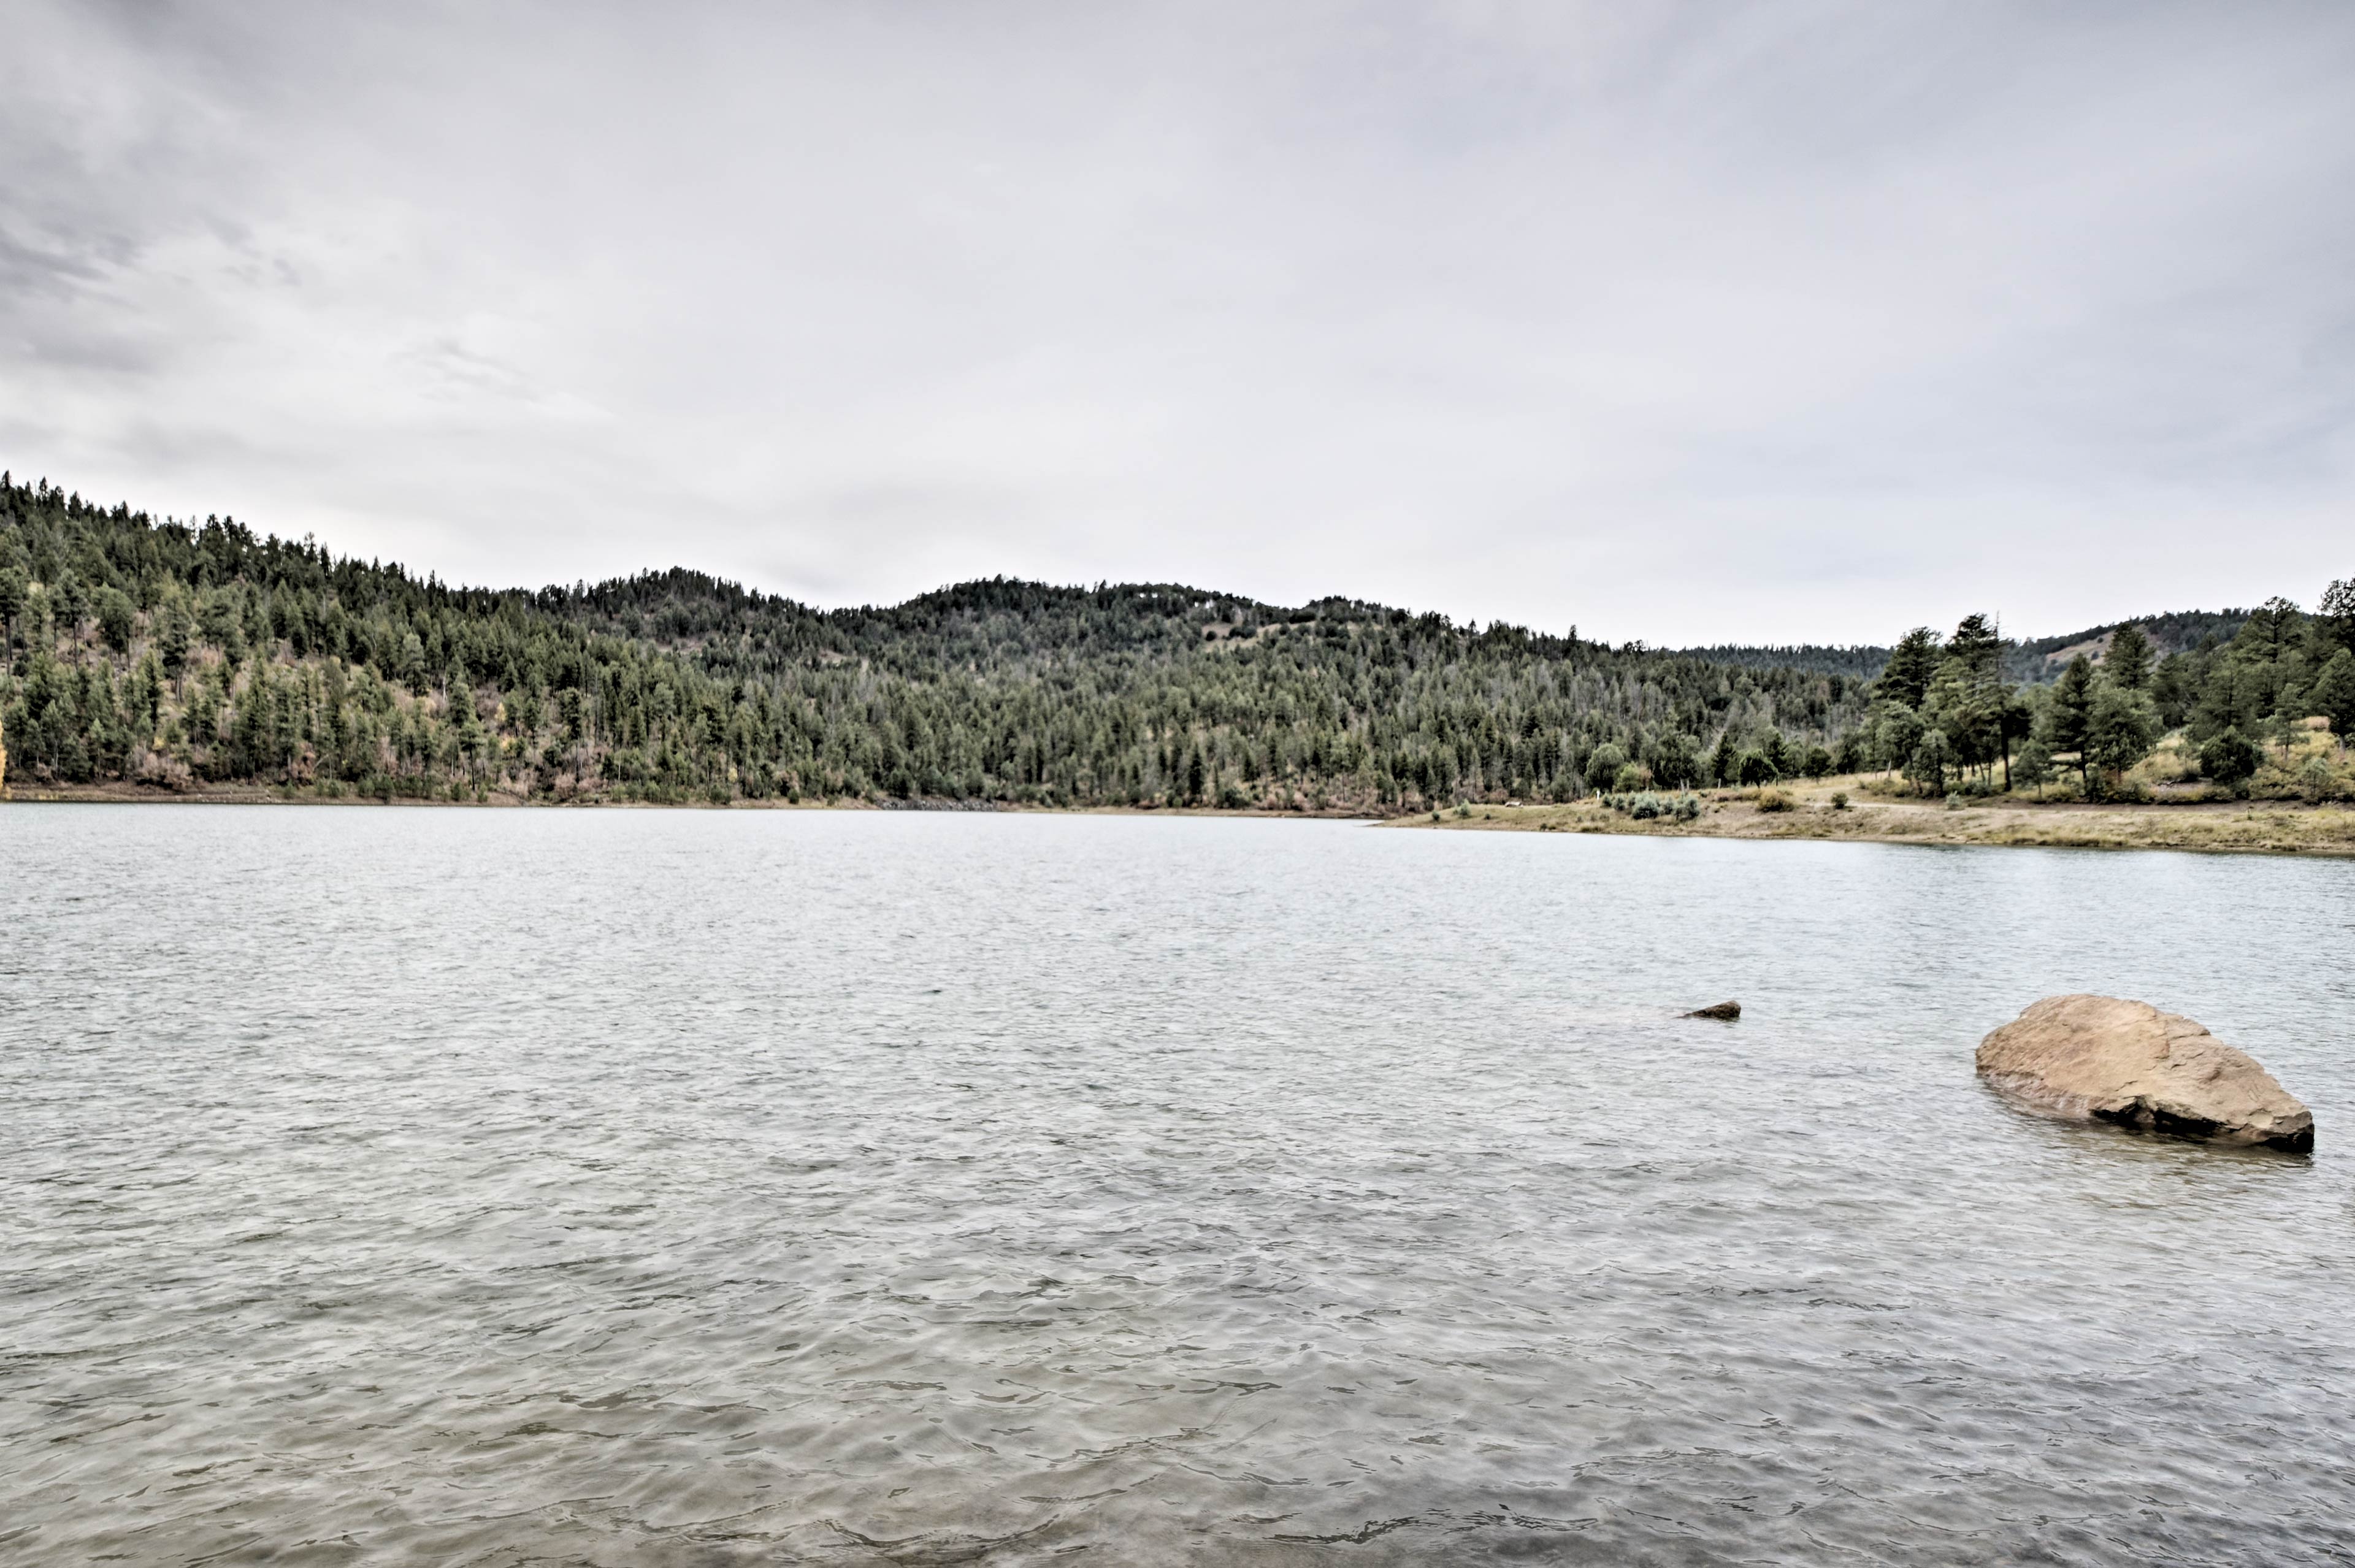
(175, 656)
(1860, 663)
(2176, 631)
(2034, 662)
(172, 654)
(1945, 712)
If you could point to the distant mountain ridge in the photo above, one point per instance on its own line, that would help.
(175, 656)
(2033, 662)
(2176, 632)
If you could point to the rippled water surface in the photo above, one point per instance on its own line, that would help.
(714, 1188)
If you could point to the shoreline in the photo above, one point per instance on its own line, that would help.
(2248, 827)
(2260, 828)
(268, 795)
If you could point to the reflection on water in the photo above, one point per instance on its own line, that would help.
(704, 1188)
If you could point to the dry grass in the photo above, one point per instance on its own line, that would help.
(2248, 826)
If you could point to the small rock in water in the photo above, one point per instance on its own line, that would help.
(1726, 1010)
(2102, 1059)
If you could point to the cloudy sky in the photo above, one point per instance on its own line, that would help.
(1756, 322)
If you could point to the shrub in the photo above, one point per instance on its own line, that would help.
(1775, 800)
(2230, 758)
(1839, 800)
(1648, 805)
(1953, 800)
(1632, 776)
(2316, 781)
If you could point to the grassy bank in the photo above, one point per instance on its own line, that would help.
(2257, 826)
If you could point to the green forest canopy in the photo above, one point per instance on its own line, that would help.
(170, 653)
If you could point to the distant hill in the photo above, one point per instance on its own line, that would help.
(140, 652)
(176, 656)
(2176, 631)
(2033, 662)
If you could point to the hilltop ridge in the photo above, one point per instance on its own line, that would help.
(175, 656)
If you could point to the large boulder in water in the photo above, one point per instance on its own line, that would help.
(2098, 1058)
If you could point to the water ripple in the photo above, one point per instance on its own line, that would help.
(877, 1189)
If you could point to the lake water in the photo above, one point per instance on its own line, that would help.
(644, 1187)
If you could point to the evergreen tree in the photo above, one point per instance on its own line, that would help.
(1725, 762)
(2068, 717)
(1979, 647)
(12, 610)
(116, 617)
(1928, 766)
(2337, 612)
(2172, 685)
(1896, 731)
(1912, 665)
(174, 647)
(2120, 730)
(2334, 693)
(2127, 663)
(2033, 765)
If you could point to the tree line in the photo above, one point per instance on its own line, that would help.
(175, 654)
(179, 654)
(1945, 714)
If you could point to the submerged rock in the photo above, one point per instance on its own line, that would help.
(1726, 1010)
(2102, 1059)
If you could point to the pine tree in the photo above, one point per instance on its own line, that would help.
(173, 647)
(2070, 717)
(1725, 762)
(1978, 645)
(1928, 766)
(2120, 730)
(2033, 765)
(2337, 611)
(2127, 663)
(1912, 665)
(2334, 693)
(12, 610)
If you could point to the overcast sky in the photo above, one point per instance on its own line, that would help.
(1769, 322)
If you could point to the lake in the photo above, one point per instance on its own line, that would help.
(713, 1188)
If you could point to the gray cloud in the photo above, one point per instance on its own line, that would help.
(1786, 321)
